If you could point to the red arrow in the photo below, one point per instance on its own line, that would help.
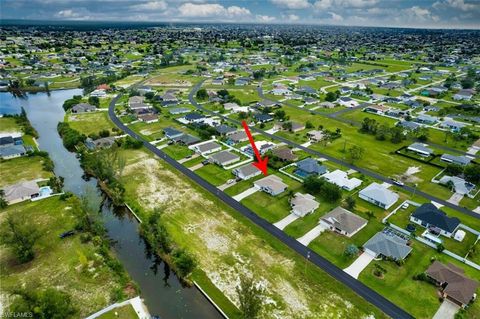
(261, 164)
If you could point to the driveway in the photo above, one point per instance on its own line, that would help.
(286, 221)
(359, 265)
(186, 159)
(226, 185)
(246, 193)
(447, 310)
(311, 235)
(455, 199)
(195, 167)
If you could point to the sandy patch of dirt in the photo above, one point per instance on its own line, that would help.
(408, 176)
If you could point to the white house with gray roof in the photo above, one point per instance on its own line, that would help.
(343, 221)
(453, 159)
(224, 158)
(21, 191)
(206, 148)
(303, 204)
(246, 171)
(271, 184)
(420, 148)
(379, 195)
(387, 244)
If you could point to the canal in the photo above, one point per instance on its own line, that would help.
(161, 290)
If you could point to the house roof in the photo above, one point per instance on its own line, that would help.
(380, 194)
(459, 287)
(193, 116)
(238, 136)
(224, 129)
(272, 182)
(420, 147)
(6, 140)
(430, 214)
(171, 132)
(224, 157)
(303, 203)
(205, 147)
(12, 150)
(246, 170)
(388, 245)
(463, 160)
(83, 107)
(186, 139)
(344, 220)
(285, 154)
(310, 166)
(19, 190)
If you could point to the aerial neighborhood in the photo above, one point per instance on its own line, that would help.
(368, 199)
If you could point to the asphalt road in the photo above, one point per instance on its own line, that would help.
(333, 159)
(361, 289)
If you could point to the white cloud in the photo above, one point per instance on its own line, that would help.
(326, 4)
(335, 17)
(289, 18)
(460, 4)
(151, 5)
(323, 4)
(292, 4)
(421, 14)
(211, 10)
(264, 18)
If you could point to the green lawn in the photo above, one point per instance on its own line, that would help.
(177, 151)
(9, 125)
(22, 169)
(57, 262)
(125, 312)
(214, 174)
(90, 122)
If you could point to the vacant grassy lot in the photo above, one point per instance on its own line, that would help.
(90, 123)
(59, 263)
(22, 169)
(226, 245)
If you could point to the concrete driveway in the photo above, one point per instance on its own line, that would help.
(246, 193)
(286, 221)
(199, 165)
(226, 185)
(359, 265)
(311, 235)
(186, 159)
(447, 310)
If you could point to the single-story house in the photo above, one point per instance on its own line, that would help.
(378, 195)
(206, 148)
(284, 154)
(296, 127)
(340, 178)
(343, 221)
(426, 119)
(454, 159)
(303, 204)
(455, 286)
(388, 245)
(135, 100)
(171, 132)
(224, 158)
(100, 143)
(460, 186)
(271, 184)
(21, 191)
(262, 118)
(10, 141)
(315, 136)
(246, 171)
(409, 125)
(179, 110)
(327, 105)
(465, 95)
(420, 148)
(225, 129)
(452, 125)
(185, 139)
(429, 216)
(148, 118)
(309, 166)
(83, 107)
(237, 137)
(230, 106)
(12, 151)
(194, 117)
(347, 102)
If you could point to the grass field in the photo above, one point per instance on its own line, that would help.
(57, 262)
(9, 125)
(22, 169)
(125, 312)
(90, 123)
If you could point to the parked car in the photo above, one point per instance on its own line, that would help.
(398, 183)
(205, 162)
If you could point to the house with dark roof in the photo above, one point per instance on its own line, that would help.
(262, 118)
(437, 221)
(309, 167)
(171, 132)
(186, 139)
(387, 244)
(453, 283)
(284, 154)
(83, 107)
(225, 129)
(12, 151)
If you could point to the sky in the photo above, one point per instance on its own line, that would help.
(393, 13)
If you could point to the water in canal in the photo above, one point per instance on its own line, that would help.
(161, 290)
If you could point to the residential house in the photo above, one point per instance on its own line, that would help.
(225, 129)
(420, 149)
(340, 178)
(178, 110)
(186, 139)
(426, 119)
(315, 136)
(100, 143)
(262, 118)
(327, 105)
(284, 154)
(379, 195)
(20, 192)
(246, 172)
(376, 109)
(237, 137)
(437, 221)
(12, 151)
(463, 95)
(83, 107)
(408, 125)
(194, 118)
(458, 185)
(148, 118)
(452, 125)
(309, 167)
(224, 158)
(343, 221)
(454, 285)
(387, 244)
(171, 132)
(206, 148)
(454, 159)
(303, 204)
(347, 102)
(271, 184)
